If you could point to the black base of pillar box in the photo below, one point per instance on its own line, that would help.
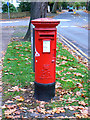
(44, 92)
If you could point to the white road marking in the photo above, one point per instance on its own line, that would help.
(84, 19)
(64, 26)
(8, 21)
(73, 26)
(63, 20)
(67, 26)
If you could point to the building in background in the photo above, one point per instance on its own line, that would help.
(15, 2)
(0, 7)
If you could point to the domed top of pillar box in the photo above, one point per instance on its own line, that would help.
(45, 23)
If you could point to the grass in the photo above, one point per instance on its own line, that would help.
(19, 34)
(71, 73)
(17, 64)
(17, 67)
(17, 71)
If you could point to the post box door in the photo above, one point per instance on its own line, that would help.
(45, 60)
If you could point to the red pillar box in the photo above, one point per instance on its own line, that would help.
(45, 57)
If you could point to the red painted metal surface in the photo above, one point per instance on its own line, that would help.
(45, 49)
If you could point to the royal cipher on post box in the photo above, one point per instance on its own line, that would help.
(45, 57)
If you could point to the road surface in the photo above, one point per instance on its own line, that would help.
(71, 27)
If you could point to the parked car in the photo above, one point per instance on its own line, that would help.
(70, 9)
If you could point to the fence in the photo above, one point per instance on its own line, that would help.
(15, 15)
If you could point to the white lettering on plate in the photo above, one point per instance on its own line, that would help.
(36, 53)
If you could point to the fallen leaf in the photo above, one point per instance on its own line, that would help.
(63, 57)
(23, 89)
(15, 59)
(15, 88)
(18, 45)
(9, 101)
(31, 110)
(57, 111)
(58, 56)
(16, 116)
(9, 46)
(58, 85)
(78, 74)
(11, 106)
(17, 112)
(20, 99)
(4, 106)
(68, 73)
(17, 52)
(78, 115)
(32, 83)
(19, 104)
(10, 111)
(17, 97)
(78, 93)
(41, 106)
(23, 108)
(9, 117)
(71, 108)
(26, 59)
(10, 58)
(6, 73)
(81, 107)
(1, 89)
(79, 85)
(63, 62)
(20, 55)
(82, 103)
(71, 68)
(11, 73)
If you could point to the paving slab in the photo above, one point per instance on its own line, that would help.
(5, 36)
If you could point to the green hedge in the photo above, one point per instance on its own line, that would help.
(11, 8)
(24, 6)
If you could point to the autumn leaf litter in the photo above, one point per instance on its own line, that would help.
(25, 106)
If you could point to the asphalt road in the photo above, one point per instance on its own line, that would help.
(70, 27)
(14, 22)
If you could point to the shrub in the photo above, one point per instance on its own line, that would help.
(89, 6)
(11, 8)
(64, 5)
(24, 6)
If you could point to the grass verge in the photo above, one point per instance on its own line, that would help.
(71, 76)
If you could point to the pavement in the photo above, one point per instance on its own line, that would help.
(5, 35)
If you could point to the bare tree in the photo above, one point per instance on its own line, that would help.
(38, 10)
(54, 7)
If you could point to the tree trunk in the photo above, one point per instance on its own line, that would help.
(77, 7)
(38, 10)
(89, 6)
(54, 7)
(86, 5)
(60, 8)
